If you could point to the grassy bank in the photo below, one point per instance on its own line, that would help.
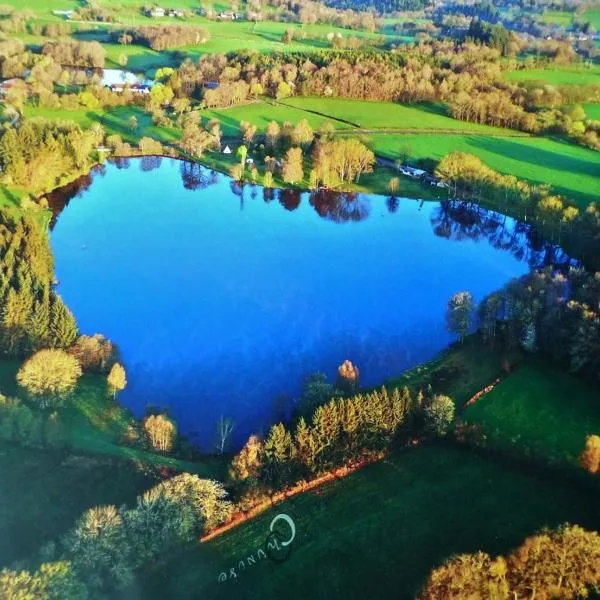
(557, 75)
(378, 532)
(539, 410)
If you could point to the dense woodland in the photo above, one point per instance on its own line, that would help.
(465, 76)
(33, 316)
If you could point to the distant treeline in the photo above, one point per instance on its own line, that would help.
(466, 76)
(381, 6)
(163, 37)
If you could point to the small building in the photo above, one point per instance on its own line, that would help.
(412, 172)
(227, 16)
(136, 88)
(155, 12)
(175, 12)
(227, 150)
(67, 14)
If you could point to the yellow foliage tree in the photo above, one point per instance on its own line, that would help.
(161, 431)
(49, 376)
(590, 457)
(117, 379)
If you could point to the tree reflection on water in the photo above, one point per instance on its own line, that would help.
(451, 219)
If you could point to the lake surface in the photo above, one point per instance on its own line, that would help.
(222, 300)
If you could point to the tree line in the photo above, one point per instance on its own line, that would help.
(107, 545)
(550, 311)
(342, 432)
(162, 37)
(37, 153)
(466, 76)
(560, 564)
(32, 314)
(557, 217)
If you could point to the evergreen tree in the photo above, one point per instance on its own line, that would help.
(63, 325)
(279, 453)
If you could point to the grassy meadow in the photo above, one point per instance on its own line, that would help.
(378, 532)
(569, 169)
(424, 132)
(389, 115)
(114, 121)
(571, 75)
(539, 409)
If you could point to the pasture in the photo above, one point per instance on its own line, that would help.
(378, 532)
(571, 170)
(114, 120)
(572, 75)
(539, 409)
(388, 115)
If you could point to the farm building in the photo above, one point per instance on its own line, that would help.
(412, 172)
(155, 12)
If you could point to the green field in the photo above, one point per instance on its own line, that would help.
(43, 492)
(593, 16)
(389, 115)
(378, 533)
(539, 409)
(557, 17)
(592, 111)
(261, 113)
(459, 371)
(576, 75)
(114, 121)
(571, 170)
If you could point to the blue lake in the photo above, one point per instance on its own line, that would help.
(222, 300)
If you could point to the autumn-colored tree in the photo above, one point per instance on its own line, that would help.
(393, 185)
(49, 376)
(302, 134)
(475, 576)
(117, 379)
(590, 457)
(247, 462)
(553, 565)
(161, 430)
(52, 581)
(348, 377)
(292, 171)
(248, 131)
(94, 352)
(98, 549)
(268, 180)
(272, 133)
(342, 161)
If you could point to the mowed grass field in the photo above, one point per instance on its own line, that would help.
(427, 133)
(378, 532)
(592, 111)
(43, 492)
(539, 409)
(570, 170)
(389, 115)
(575, 75)
(114, 121)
